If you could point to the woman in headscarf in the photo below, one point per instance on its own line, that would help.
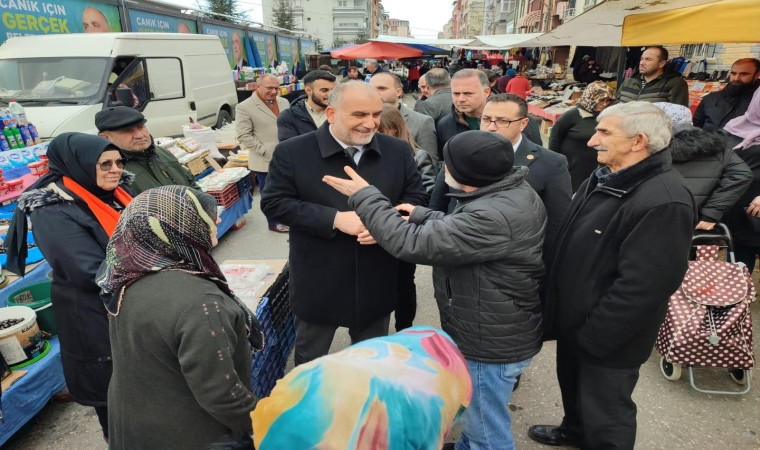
(393, 124)
(74, 210)
(716, 176)
(572, 131)
(403, 391)
(744, 218)
(181, 340)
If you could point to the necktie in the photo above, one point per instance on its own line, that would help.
(350, 152)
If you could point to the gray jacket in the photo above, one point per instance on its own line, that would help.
(487, 263)
(437, 105)
(422, 129)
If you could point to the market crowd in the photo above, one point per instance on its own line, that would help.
(582, 242)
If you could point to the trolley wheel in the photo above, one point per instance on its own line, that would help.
(739, 376)
(671, 371)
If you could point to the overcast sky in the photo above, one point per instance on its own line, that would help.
(426, 17)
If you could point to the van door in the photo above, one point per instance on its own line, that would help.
(155, 86)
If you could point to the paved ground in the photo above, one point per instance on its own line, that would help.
(671, 414)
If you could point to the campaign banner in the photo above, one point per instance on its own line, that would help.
(232, 41)
(287, 48)
(148, 22)
(307, 46)
(32, 17)
(265, 45)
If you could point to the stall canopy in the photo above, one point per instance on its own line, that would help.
(723, 21)
(407, 40)
(602, 25)
(376, 50)
(499, 41)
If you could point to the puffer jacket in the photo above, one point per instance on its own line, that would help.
(487, 263)
(295, 120)
(669, 87)
(716, 176)
(427, 169)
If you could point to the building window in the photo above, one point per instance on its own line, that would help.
(588, 3)
(342, 3)
(508, 6)
(698, 51)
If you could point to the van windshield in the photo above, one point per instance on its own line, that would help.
(52, 80)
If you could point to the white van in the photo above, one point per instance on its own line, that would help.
(63, 80)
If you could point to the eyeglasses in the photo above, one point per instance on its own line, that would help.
(500, 123)
(105, 166)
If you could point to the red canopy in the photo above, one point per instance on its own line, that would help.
(376, 50)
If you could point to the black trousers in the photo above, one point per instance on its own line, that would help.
(314, 339)
(406, 309)
(597, 400)
(102, 413)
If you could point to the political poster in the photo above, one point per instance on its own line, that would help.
(307, 46)
(148, 22)
(287, 48)
(232, 41)
(28, 17)
(265, 46)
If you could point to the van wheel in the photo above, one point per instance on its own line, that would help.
(223, 119)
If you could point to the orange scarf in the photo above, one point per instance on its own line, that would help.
(106, 215)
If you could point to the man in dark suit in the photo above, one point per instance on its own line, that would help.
(548, 174)
(338, 276)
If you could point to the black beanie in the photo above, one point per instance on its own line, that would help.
(478, 158)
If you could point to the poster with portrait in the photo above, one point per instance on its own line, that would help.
(232, 42)
(285, 50)
(27, 18)
(265, 46)
(307, 47)
(148, 22)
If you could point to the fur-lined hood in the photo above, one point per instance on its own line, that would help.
(53, 194)
(690, 142)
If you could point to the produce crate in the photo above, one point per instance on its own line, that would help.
(198, 165)
(278, 323)
(227, 196)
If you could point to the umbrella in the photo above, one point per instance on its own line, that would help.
(376, 50)
(723, 21)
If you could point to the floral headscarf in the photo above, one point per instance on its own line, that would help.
(678, 114)
(166, 228)
(393, 392)
(593, 94)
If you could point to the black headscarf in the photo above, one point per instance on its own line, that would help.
(73, 155)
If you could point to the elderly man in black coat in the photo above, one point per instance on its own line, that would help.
(338, 276)
(621, 251)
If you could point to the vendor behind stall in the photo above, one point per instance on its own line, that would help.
(153, 166)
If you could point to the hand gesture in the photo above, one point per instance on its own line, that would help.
(346, 187)
(754, 207)
(405, 208)
(349, 223)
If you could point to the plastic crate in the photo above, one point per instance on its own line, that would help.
(227, 196)
(278, 322)
(245, 184)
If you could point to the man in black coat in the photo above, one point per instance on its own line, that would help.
(338, 276)
(307, 113)
(717, 108)
(621, 252)
(548, 174)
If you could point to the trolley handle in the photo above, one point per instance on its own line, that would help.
(725, 237)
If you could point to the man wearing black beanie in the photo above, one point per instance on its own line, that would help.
(487, 265)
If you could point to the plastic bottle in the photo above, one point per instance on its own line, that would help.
(33, 132)
(19, 140)
(4, 143)
(10, 138)
(18, 111)
(26, 136)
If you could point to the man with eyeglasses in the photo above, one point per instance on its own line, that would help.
(548, 173)
(151, 165)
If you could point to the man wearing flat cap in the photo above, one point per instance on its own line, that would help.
(487, 266)
(152, 165)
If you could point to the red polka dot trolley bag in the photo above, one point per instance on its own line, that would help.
(708, 322)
